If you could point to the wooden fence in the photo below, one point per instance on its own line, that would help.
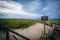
(7, 30)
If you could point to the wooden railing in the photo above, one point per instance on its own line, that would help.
(7, 30)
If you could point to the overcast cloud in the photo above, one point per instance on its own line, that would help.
(32, 9)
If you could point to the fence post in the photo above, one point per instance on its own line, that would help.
(7, 32)
(7, 35)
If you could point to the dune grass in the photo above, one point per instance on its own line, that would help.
(17, 23)
(21, 23)
(54, 20)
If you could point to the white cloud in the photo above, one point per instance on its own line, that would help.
(11, 7)
(51, 7)
(34, 4)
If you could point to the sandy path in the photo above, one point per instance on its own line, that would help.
(33, 32)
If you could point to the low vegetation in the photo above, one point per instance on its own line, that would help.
(20, 23)
(54, 21)
(17, 23)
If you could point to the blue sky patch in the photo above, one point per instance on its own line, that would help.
(30, 9)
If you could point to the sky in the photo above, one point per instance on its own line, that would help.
(29, 9)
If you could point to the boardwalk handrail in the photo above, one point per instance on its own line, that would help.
(9, 30)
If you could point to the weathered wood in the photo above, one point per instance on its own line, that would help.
(7, 35)
(15, 37)
(9, 30)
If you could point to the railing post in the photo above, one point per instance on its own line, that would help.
(7, 32)
(7, 35)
